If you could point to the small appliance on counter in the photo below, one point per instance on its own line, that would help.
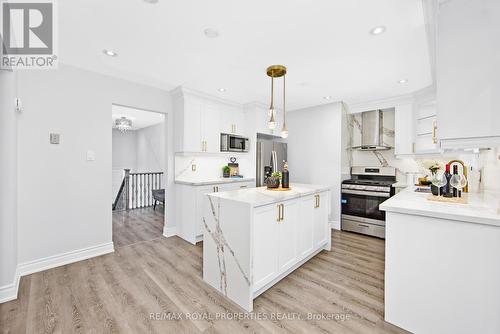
(362, 194)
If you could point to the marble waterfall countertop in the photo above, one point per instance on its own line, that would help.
(482, 208)
(262, 196)
(219, 180)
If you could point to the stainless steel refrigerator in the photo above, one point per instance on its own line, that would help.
(271, 156)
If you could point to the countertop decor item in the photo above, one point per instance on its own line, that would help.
(279, 189)
(285, 176)
(274, 180)
(226, 171)
(464, 171)
(457, 200)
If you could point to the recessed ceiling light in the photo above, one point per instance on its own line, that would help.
(403, 81)
(110, 53)
(327, 97)
(211, 33)
(378, 30)
(222, 90)
(151, 1)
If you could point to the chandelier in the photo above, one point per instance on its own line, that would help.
(276, 71)
(123, 124)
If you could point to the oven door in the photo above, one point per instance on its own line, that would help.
(363, 204)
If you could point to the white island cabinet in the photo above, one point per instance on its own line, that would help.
(255, 237)
(442, 264)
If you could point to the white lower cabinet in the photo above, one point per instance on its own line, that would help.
(321, 231)
(193, 199)
(265, 227)
(287, 230)
(286, 233)
(305, 226)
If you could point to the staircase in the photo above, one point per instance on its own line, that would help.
(136, 190)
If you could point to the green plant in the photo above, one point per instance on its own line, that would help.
(276, 174)
(226, 169)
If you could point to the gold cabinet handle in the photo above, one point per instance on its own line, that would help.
(282, 212)
(279, 213)
(318, 200)
(434, 132)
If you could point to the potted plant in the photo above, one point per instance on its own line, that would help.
(274, 180)
(433, 166)
(226, 171)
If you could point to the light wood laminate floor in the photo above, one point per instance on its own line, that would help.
(118, 292)
(132, 226)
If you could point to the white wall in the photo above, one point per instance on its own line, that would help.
(151, 148)
(8, 185)
(124, 150)
(315, 149)
(64, 199)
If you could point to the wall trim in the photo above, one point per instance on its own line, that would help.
(9, 292)
(335, 224)
(170, 231)
(53, 261)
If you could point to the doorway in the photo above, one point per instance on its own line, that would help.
(138, 175)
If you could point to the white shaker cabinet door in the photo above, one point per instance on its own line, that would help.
(305, 226)
(265, 246)
(321, 228)
(287, 235)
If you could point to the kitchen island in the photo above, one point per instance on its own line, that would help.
(442, 263)
(255, 237)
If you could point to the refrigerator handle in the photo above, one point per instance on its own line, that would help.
(260, 167)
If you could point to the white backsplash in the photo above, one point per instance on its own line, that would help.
(209, 167)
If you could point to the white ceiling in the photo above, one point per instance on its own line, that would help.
(325, 44)
(140, 118)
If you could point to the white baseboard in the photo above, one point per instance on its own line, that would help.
(9, 292)
(335, 224)
(170, 231)
(49, 262)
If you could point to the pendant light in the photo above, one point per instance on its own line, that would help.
(284, 130)
(275, 71)
(272, 121)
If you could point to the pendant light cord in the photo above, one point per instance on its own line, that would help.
(284, 120)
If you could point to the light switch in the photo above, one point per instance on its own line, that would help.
(55, 138)
(90, 156)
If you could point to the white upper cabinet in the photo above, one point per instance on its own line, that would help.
(468, 73)
(200, 119)
(232, 120)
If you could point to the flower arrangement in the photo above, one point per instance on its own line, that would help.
(432, 165)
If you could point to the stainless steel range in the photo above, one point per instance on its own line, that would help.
(361, 197)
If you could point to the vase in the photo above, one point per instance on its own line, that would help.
(273, 182)
(434, 190)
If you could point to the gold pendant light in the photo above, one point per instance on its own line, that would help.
(276, 71)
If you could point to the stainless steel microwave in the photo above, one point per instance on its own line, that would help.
(233, 143)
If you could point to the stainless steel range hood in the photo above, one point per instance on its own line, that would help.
(372, 131)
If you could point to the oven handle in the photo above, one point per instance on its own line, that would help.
(366, 193)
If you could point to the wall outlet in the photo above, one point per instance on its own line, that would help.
(55, 138)
(193, 167)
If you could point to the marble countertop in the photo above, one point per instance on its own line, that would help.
(482, 208)
(220, 180)
(261, 196)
